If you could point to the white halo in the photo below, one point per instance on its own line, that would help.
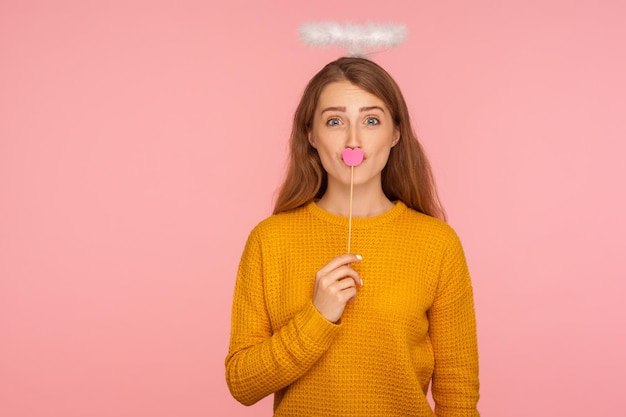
(355, 38)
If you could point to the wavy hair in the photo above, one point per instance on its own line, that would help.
(406, 177)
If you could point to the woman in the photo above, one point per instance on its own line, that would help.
(364, 333)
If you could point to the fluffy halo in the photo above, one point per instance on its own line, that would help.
(355, 38)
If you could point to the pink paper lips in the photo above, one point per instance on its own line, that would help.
(352, 157)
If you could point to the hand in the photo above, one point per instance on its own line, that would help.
(335, 286)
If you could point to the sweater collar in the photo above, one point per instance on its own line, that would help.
(357, 222)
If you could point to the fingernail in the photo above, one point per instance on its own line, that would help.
(361, 281)
(359, 257)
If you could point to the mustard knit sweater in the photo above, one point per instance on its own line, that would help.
(412, 320)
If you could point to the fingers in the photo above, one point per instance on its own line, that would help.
(340, 260)
(330, 300)
(341, 273)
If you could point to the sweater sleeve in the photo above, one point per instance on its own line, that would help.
(260, 361)
(453, 335)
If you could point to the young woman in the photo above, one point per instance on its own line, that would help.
(365, 333)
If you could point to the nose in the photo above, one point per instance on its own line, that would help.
(353, 141)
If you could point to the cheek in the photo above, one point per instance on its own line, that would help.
(325, 154)
(326, 145)
(382, 156)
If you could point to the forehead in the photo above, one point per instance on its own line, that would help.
(346, 94)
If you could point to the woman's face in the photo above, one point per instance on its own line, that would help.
(350, 117)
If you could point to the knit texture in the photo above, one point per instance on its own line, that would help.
(411, 322)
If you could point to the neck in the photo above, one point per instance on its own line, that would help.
(367, 200)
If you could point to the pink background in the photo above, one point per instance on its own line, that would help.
(141, 141)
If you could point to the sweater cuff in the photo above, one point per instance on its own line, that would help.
(315, 327)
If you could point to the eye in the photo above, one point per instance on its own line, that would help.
(333, 122)
(371, 121)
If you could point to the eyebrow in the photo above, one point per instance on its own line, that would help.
(362, 109)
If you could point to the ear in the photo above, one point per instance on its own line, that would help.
(395, 137)
(311, 139)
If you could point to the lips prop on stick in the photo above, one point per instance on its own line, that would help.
(352, 158)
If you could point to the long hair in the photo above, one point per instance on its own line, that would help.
(406, 177)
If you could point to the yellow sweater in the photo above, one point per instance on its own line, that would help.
(412, 320)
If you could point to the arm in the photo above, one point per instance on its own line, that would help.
(261, 362)
(453, 335)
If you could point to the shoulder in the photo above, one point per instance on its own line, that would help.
(430, 227)
(278, 224)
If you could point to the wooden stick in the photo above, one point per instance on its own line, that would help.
(350, 213)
